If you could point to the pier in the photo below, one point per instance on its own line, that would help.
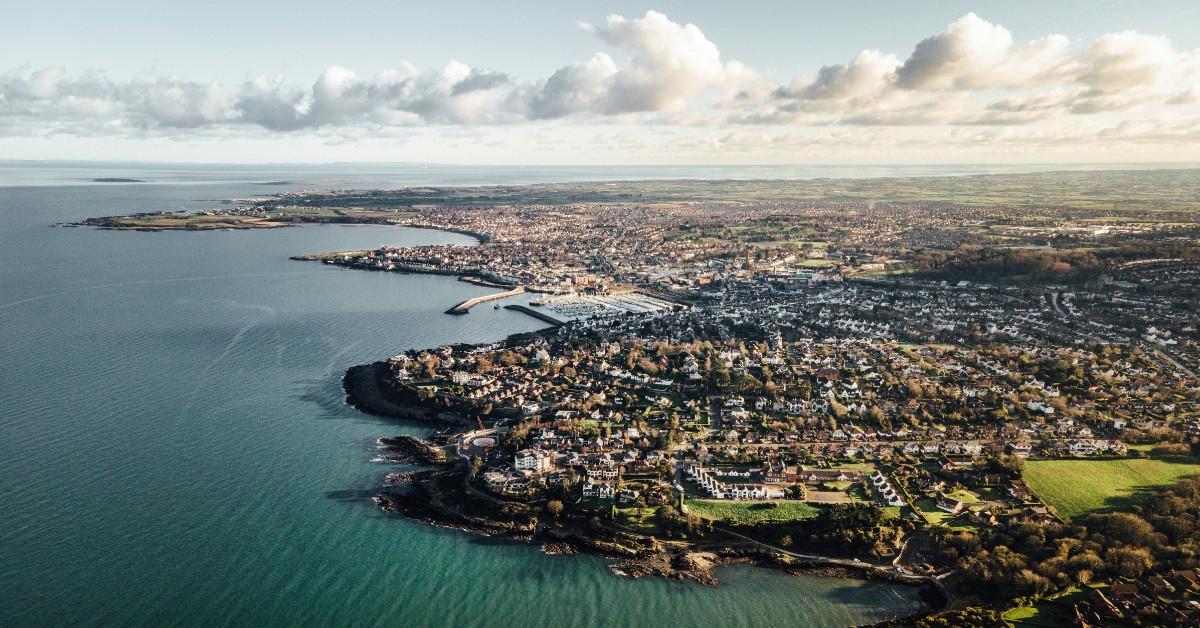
(465, 306)
(536, 314)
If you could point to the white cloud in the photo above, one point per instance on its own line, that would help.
(670, 65)
(974, 75)
(272, 105)
(949, 78)
(973, 53)
(870, 73)
(575, 88)
(1122, 70)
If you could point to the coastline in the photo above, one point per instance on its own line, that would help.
(186, 221)
(443, 497)
(365, 389)
(480, 237)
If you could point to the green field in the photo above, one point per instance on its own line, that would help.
(751, 513)
(641, 519)
(933, 514)
(1056, 610)
(964, 496)
(1075, 487)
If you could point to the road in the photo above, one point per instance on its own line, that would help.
(1175, 363)
(893, 572)
(1054, 302)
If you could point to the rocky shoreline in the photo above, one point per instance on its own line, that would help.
(429, 497)
(442, 497)
(412, 449)
(368, 388)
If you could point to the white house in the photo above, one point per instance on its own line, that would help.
(601, 490)
(534, 460)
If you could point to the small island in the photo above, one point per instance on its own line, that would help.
(116, 180)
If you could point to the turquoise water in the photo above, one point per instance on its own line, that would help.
(175, 450)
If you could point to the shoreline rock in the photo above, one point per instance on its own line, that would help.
(367, 389)
(412, 448)
(438, 497)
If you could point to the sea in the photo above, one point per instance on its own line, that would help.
(176, 450)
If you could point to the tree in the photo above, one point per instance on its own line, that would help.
(1127, 528)
(476, 466)
(1130, 562)
(640, 504)
(1010, 463)
(555, 508)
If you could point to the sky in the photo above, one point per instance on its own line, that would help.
(601, 83)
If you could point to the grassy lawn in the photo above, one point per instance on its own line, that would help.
(1051, 612)
(1075, 487)
(888, 273)
(992, 494)
(828, 497)
(195, 221)
(750, 512)
(859, 493)
(860, 466)
(935, 515)
(297, 210)
(641, 519)
(964, 496)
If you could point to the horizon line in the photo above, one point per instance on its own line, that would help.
(1174, 164)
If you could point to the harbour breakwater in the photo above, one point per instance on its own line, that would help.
(536, 314)
(465, 306)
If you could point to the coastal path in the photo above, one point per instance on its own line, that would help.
(889, 572)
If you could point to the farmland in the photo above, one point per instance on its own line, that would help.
(1075, 487)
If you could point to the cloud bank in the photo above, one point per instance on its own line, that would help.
(657, 72)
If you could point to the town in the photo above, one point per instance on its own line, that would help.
(915, 390)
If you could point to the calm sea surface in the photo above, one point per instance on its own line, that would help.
(175, 450)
